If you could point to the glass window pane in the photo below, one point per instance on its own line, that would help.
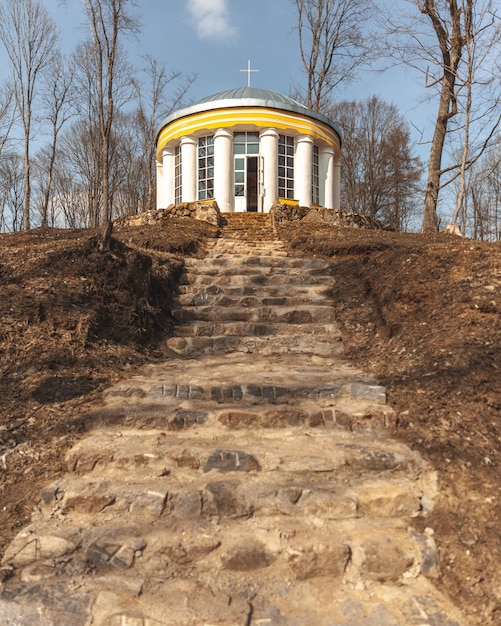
(210, 172)
(253, 148)
(239, 190)
(210, 150)
(240, 138)
(239, 164)
(210, 160)
(239, 177)
(239, 149)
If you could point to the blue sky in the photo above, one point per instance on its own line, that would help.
(216, 38)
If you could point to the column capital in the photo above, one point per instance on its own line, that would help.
(327, 150)
(188, 140)
(269, 132)
(223, 132)
(304, 139)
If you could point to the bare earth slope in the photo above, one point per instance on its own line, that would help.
(421, 313)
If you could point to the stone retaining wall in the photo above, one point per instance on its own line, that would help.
(281, 212)
(204, 211)
(208, 211)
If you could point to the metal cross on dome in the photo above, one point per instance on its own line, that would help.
(249, 72)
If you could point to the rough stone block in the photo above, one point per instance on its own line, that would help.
(90, 499)
(231, 461)
(29, 546)
(239, 419)
(247, 556)
(310, 560)
(187, 549)
(385, 560)
(383, 499)
(364, 391)
(326, 505)
(187, 419)
(186, 504)
(223, 499)
(116, 548)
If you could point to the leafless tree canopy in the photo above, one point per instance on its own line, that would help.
(455, 44)
(381, 175)
(332, 43)
(30, 37)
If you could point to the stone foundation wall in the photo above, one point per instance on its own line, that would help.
(281, 213)
(204, 211)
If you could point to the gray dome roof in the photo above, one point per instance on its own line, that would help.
(250, 97)
(272, 98)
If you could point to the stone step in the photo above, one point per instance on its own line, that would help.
(325, 346)
(325, 394)
(260, 596)
(253, 279)
(300, 314)
(353, 414)
(268, 295)
(248, 329)
(325, 459)
(245, 264)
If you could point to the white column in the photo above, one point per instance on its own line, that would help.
(189, 168)
(223, 169)
(337, 183)
(302, 170)
(327, 182)
(268, 148)
(160, 200)
(165, 194)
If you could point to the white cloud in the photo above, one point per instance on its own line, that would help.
(212, 19)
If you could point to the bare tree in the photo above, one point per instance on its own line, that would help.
(7, 114)
(381, 176)
(12, 190)
(332, 44)
(440, 41)
(59, 110)
(109, 21)
(153, 105)
(30, 38)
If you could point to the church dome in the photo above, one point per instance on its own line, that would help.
(250, 97)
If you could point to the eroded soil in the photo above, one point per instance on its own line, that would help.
(421, 312)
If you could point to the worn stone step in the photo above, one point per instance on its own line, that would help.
(249, 329)
(208, 264)
(309, 456)
(309, 292)
(253, 297)
(346, 413)
(324, 346)
(253, 279)
(325, 394)
(300, 314)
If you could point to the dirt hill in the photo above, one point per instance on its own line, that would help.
(421, 312)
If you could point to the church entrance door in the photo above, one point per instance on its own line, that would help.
(252, 184)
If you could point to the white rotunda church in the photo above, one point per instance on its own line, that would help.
(247, 148)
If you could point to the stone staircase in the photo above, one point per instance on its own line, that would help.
(251, 479)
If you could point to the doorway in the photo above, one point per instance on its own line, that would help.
(252, 184)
